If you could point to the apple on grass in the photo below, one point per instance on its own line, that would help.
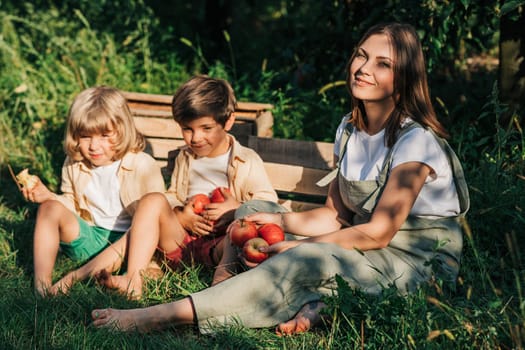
(271, 233)
(251, 252)
(241, 231)
(200, 201)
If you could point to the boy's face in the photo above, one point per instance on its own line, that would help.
(206, 137)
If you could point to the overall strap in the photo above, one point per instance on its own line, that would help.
(349, 128)
(371, 202)
(455, 165)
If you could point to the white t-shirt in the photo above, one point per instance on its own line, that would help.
(103, 198)
(208, 173)
(364, 158)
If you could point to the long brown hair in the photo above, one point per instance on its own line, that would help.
(410, 83)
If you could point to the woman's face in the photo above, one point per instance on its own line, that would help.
(372, 70)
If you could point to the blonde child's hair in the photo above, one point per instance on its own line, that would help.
(203, 96)
(101, 109)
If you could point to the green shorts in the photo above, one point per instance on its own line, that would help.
(91, 241)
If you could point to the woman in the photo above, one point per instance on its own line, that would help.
(391, 216)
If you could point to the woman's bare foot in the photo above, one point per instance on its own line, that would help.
(154, 317)
(131, 287)
(122, 320)
(305, 319)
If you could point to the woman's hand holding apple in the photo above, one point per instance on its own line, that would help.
(280, 247)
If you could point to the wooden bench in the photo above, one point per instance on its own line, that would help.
(293, 166)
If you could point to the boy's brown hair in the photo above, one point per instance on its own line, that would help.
(202, 96)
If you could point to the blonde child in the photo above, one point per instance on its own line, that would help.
(166, 223)
(103, 176)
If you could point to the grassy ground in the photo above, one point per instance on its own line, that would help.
(45, 61)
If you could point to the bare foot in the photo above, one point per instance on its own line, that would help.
(43, 289)
(223, 272)
(305, 319)
(153, 271)
(131, 287)
(64, 284)
(122, 320)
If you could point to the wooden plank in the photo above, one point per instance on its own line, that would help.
(303, 153)
(157, 113)
(156, 99)
(153, 111)
(160, 148)
(296, 179)
(166, 128)
(288, 178)
(158, 127)
(153, 98)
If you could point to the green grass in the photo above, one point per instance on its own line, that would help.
(46, 59)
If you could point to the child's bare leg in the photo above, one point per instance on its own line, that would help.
(110, 259)
(306, 318)
(228, 262)
(154, 224)
(160, 316)
(54, 222)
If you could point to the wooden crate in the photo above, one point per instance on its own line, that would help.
(293, 166)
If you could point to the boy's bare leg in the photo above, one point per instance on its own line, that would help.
(228, 261)
(160, 316)
(305, 319)
(154, 224)
(110, 259)
(54, 222)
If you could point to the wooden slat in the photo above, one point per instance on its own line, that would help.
(158, 127)
(156, 99)
(289, 178)
(160, 148)
(155, 111)
(151, 112)
(297, 179)
(155, 128)
(152, 98)
(304, 153)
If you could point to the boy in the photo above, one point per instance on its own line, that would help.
(204, 109)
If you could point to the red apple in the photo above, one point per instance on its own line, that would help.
(251, 252)
(216, 195)
(241, 231)
(200, 201)
(271, 233)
